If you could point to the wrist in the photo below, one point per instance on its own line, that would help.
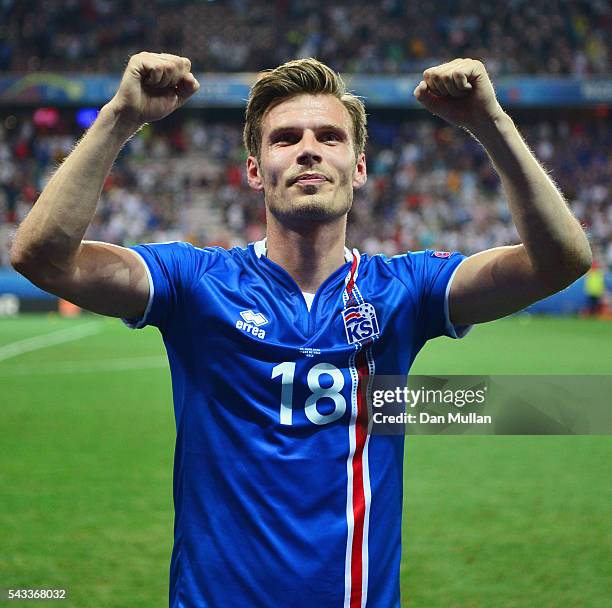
(492, 126)
(121, 124)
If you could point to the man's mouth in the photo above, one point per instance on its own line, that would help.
(308, 179)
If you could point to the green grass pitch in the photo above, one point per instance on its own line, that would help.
(86, 466)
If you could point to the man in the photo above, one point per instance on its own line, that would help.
(281, 497)
(594, 289)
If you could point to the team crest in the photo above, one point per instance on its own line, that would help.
(360, 323)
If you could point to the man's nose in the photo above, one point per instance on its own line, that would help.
(309, 153)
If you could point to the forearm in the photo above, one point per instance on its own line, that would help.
(53, 230)
(552, 237)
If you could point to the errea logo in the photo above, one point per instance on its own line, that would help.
(252, 323)
(253, 317)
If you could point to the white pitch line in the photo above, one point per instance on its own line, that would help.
(60, 336)
(95, 365)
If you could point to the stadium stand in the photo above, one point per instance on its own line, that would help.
(388, 37)
(429, 184)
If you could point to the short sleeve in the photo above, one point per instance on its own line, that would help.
(172, 268)
(437, 271)
(429, 275)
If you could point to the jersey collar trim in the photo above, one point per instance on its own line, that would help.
(261, 248)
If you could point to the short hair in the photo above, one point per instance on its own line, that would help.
(294, 78)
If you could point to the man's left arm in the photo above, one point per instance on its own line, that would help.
(554, 250)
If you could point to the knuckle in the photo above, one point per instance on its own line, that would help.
(154, 74)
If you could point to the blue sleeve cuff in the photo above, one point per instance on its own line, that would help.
(142, 321)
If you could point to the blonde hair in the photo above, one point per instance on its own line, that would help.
(293, 78)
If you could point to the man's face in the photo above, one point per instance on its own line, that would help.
(307, 167)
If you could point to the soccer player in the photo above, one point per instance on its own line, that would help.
(281, 496)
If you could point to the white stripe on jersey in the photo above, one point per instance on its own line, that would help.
(350, 521)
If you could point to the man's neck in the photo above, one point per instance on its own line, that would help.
(309, 255)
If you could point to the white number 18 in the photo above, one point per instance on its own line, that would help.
(286, 371)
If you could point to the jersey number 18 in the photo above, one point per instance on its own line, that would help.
(286, 371)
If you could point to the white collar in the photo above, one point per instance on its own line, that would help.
(261, 248)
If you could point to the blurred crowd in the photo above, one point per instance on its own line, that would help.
(371, 36)
(430, 185)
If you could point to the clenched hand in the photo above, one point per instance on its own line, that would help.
(153, 86)
(460, 92)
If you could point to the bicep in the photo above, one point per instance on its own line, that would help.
(103, 278)
(495, 283)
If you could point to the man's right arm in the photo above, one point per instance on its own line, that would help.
(48, 247)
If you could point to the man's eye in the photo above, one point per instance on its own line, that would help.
(286, 138)
(331, 136)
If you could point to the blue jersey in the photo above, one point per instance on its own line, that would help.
(281, 496)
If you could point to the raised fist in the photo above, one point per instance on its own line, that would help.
(153, 86)
(460, 92)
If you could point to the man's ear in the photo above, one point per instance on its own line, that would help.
(360, 176)
(254, 177)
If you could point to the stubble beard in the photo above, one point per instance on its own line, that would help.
(313, 209)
